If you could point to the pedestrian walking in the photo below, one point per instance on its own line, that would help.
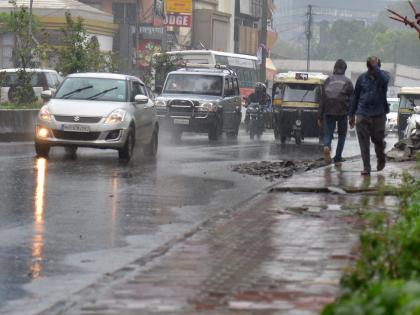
(334, 110)
(368, 113)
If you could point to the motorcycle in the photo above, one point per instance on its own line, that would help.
(412, 132)
(256, 121)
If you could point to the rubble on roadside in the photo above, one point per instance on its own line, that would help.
(402, 152)
(273, 170)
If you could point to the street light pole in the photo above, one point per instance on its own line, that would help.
(31, 2)
(263, 41)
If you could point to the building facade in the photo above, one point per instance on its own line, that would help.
(51, 17)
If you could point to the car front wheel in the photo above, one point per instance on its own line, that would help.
(126, 152)
(151, 148)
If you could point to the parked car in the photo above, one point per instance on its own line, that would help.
(98, 110)
(391, 124)
(203, 100)
(41, 80)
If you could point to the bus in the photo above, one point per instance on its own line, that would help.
(245, 66)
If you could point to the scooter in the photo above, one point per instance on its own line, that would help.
(412, 132)
(256, 121)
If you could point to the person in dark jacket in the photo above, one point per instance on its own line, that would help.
(334, 109)
(368, 112)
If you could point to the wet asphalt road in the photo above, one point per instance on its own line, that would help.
(66, 222)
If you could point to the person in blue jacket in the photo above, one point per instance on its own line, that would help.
(368, 112)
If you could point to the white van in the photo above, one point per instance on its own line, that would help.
(42, 80)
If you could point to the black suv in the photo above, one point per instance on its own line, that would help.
(204, 100)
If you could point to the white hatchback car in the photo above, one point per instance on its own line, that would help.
(98, 110)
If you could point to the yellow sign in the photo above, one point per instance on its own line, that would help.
(178, 6)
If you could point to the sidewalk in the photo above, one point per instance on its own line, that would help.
(282, 253)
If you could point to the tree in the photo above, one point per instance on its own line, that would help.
(80, 52)
(354, 41)
(161, 63)
(24, 52)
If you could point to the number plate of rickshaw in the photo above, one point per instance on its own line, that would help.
(178, 121)
(75, 128)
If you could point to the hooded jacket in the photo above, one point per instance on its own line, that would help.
(336, 93)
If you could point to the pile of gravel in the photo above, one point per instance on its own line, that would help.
(277, 169)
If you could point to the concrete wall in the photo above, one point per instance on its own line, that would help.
(17, 125)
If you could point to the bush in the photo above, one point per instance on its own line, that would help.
(389, 260)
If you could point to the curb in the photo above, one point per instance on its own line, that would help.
(17, 124)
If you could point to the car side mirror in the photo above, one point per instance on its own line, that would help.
(46, 95)
(141, 99)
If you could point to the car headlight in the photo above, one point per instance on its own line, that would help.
(209, 106)
(44, 113)
(160, 103)
(116, 117)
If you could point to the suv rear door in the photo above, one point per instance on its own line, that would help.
(231, 104)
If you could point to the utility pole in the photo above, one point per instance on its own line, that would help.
(263, 40)
(31, 2)
(309, 38)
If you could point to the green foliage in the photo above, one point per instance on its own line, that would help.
(383, 298)
(162, 64)
(389, 259)
(24, 52)
(80, 52)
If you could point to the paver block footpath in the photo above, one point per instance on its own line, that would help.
(282, 253)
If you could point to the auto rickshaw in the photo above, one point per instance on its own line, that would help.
(409, 98)
(296, 100)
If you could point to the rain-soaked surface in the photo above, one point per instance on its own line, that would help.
(65, 222)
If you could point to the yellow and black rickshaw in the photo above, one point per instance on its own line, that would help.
(296, 100)
(409, 98)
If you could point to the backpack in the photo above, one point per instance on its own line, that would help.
(335, 88)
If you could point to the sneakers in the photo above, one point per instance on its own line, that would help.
(327, 155)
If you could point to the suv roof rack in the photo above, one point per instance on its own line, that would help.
(207, 68)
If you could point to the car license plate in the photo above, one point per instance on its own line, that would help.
(181, 121)
(75, 128)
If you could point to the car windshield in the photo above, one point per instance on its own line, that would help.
(82, 88)
(301, 93)
(409, 101)
(194, 84)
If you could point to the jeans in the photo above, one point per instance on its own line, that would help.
(329, 126)
(371, 128)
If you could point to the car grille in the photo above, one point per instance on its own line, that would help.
(78, 136)
(78, 119)
(182, 107)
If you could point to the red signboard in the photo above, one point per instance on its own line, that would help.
(182, 20)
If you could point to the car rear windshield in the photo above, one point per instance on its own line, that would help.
(302, 93)
(194, 84)
(82, 88)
